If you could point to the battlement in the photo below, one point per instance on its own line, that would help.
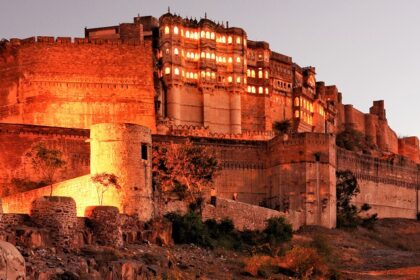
(74, 41)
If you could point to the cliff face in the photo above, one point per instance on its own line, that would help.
(60, 83)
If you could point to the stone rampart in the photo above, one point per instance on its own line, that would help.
(390, 185)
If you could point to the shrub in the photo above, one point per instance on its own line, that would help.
(305, 262)
(277, 232)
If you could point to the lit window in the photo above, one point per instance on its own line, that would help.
(207, 35)
(230, 79)
(208, 55)
(238, 59)
(230, 60)
(213, 56)
(203, 34)
(203, 74)
(167, 51)
(212, 35)
(229, 40)
(238, 40)
(196, 56)
(166, 30)
(213, 75)
(253, 90)
(187, 34)
(167, 70)
(208, 75)
(296, 114)
(248, 72)
(253, 73)
(238, 80)
(224, 59)
(223, 39)
(266, 90)
(260, 90)
(188, 75)
(245, 81)
(249, 88)
(266, 74)
(296, 101)
(182, 32)
(196, 35)
(245, 43)
(176, 30)
(188, 54)
(176, 71)
(195, 76)
(176, 51)
(260, 74)
(203, 54)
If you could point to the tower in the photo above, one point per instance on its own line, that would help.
(125, 151)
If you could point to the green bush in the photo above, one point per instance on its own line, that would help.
(190, 229)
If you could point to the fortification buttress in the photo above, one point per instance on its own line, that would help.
(125, 150)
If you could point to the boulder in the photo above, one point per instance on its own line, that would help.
(12, 264)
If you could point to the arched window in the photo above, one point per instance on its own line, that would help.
(213, 75)
(196, 35)
(230, 40)
(203, 54)
(208, 55)
(266, 74)
(266, 90)
(176, 71)
(167, 70)
(260, 90)
(253, 90)
(196, 56)
(230, 79)
(296, 101)
(176, 30)
(203, 74)
(224, 59)
(213, 56)
(248, 72)
(208, 75)
(223, 39)
(207, 35)
(238, 59)
(188, 75)
(203, 34)
(166, 29)
(212, 35)
(187, 34)
(238, 80)
(260, 74)
(238, 40)
(176, 51)
(253, 73)
(195, 76)
(249, 88)
(230, 60)
(296, 114)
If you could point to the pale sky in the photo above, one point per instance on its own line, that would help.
(370, 49)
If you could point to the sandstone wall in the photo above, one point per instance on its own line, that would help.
(80, 189)
(16, 140)
(389, 186)
(244, 216)
(75, 84)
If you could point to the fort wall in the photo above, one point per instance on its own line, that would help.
(57, 82)
(389, 186)
(16, 140)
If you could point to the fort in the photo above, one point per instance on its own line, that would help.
(106, 99)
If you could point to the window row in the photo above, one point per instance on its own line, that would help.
(304, 116)
(207, 55)
(251, 73)
(261, 90)
(203, 75)
(203, 34)
(306, 104)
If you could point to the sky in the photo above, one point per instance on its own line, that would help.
(370, 49)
